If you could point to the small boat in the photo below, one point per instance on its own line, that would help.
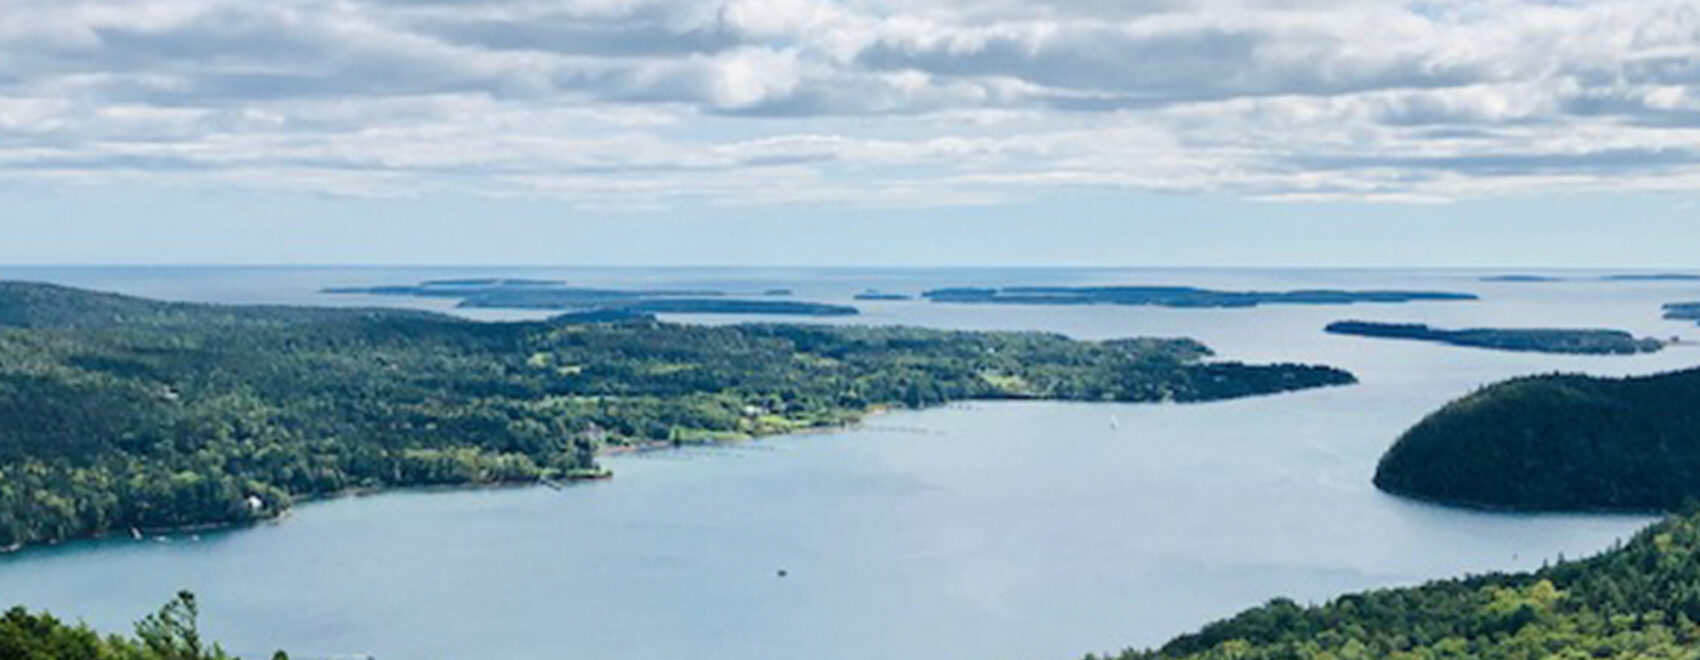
(1115, 423)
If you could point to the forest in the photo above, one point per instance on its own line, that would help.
(124, 415)
(1557, 443)
(1537, 340)
(172, 633)
(1638, 600)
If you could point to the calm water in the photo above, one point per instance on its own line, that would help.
(981, 531)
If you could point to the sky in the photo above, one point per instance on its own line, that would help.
(854, 132)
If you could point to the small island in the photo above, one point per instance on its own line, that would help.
(552, 299)
(1186, 297)
(1539, 340)
(1526, 279)
(1557, 443)
(871, 294)
(1685, 311)
(1653, 277)
(494, 293)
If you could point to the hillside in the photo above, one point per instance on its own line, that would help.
(1557, 443)
(118, 413)
(1637, 601)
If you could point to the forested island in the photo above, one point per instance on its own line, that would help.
(1653, 277)
(558, 300)
(552, 295)
(881, 295)
(1541, 340)
(124, 414)
(1557, 443)
(1687, 311)
(1167, 296)
(1640, 600)
(1522, 279)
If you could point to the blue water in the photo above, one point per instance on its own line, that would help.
(977, 531)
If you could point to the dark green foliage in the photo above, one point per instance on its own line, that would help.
(1637, 601)
(170, 634)
(1542, 340)
(1557, 443)
(118, 413)
(1175, 296)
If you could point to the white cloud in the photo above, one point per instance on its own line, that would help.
(633, 103)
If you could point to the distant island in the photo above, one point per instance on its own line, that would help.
(1164, 296)
(880, 295)
(492, 293)
(1654, 277)
(1628, 277)
(1686, 311)
(565, 299)
(1521, 278)
(1557, 443)
(1541, 340)
(125, 415)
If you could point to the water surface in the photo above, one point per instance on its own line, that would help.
(977, 531)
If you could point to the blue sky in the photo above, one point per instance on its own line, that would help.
(1144, 132)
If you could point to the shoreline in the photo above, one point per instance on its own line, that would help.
(159, 534)
(856, 420)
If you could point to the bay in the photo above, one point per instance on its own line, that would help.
(974, 531)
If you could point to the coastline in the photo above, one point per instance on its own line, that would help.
(158, 534)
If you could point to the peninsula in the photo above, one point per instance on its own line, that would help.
(128, 414)
(1557, 443)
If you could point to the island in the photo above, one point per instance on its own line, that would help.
(881, 295)
(1540, 340)
(1653, 277)
(552, 295)
(125, 415)
(1557, 443)
(1521, 278)
(1163, 296)
(1685, 311)
(777, 292)
(573, 300)
(1631, 602)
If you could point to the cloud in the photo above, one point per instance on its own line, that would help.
(638, 103)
